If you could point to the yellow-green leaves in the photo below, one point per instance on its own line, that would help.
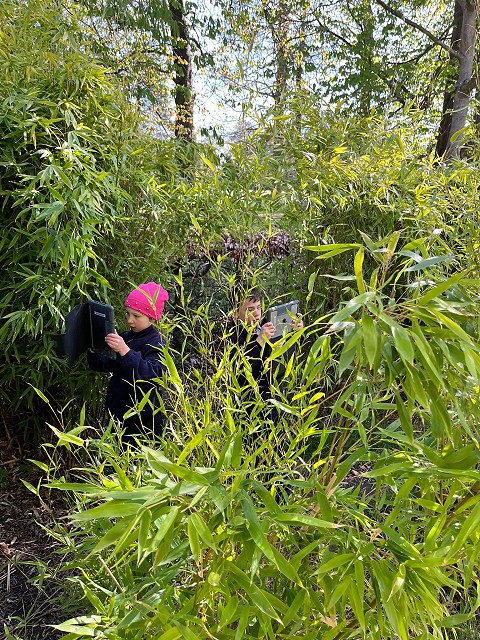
(370, 339)
(401, 338)
(357, 266)
(351, 307)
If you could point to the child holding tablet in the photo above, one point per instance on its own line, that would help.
(137, 365)
(251, 334)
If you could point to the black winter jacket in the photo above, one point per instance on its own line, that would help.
(132, 374)
(256, 355)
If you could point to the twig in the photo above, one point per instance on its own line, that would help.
(12, 461)
(104, 565)
(9, 567)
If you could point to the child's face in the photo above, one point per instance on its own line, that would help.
(137, 321)
(250, 312)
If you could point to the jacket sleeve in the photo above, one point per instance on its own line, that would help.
(99, 362)
(145, 366)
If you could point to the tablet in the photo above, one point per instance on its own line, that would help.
(76, 339)
(102, 321)
(281, 317)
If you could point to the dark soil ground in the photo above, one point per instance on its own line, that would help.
(28, 605)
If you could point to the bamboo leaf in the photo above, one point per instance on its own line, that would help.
(470, 525)
(257, 596)
(355, 591)
(405, 416)
(260, 539)
(113, 535)
(456, 620)
(111, 509)
(171, 634)
(370, 339)
(398, 581)
(209, 164)
(349, 350)
(166, 525)
(179, 471)
(352, 305)
(358, 265)
(329, 248)
(229, 611)
(440, 288)
(305, 520)
(66, 437)
(452, 325)
(194, 540)
(80, 626)
(122, 476)
(425, 264)
(334, 563)
(341, 588)
(203, 531)
(400, 336)
(172, 370)
(143, 533)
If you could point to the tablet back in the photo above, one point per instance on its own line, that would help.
(76, 339)
(281, 316)
(102, 321)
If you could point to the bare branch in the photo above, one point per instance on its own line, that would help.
(418, 27)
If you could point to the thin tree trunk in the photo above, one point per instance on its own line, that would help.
(367, 40)
(280, 32)
(450, 134)
(182, 60)
(301, 53)
(443, 135)
(476, 115)
(465, 82)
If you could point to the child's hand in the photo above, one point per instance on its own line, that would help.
(267, 333)
(297, 323)
(117, 343)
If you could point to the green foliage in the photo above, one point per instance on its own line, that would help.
(357, 514)
(82, 185)
(467, 631)
(67, 136)
(318, 178)
(359, 55)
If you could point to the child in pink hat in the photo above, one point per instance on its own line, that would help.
(149, 299)
(137, 366)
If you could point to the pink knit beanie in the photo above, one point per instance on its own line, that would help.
(149, 299)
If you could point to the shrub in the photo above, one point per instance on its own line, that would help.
(67, 135)
(226, 528)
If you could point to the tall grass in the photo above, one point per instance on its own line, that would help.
(355, 515)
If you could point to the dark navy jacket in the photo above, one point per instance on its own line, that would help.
(256, 355)
(133, 373)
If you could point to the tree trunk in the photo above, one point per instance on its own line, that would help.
(182, 60)
(301, 53)
(443, 135)
(367, 42)
(462, 54)
(457, 99)
(280, 33)
(476, 115)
